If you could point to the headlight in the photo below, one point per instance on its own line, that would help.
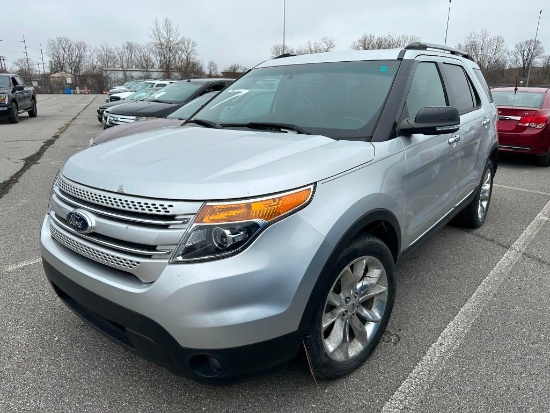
(224, 229)
(3, 98)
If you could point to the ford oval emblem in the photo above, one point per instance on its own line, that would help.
(80, 221)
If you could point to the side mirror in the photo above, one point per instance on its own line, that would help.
(19, 87)
(433, 120)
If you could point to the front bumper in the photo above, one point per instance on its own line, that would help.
(244, 311)
(151, 341)
(5, 110)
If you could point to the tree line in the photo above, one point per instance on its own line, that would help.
(173, 55)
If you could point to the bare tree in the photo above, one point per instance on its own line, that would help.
(127, 54)
(277, 50)
(144, 58)
(234, 70)
(525, 54)
(106, 56)
(387, 41)
(23, 69)
(212, 69)
(326, 44)
(186, 62)
(66, 55)
(546, 67)
(489, 52)
(173, 51)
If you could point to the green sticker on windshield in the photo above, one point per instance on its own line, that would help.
(383, 68)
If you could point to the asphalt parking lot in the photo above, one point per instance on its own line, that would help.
(470, 329)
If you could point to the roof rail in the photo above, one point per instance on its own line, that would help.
(284, 55)
(433, 46)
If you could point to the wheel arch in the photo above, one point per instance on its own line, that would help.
(380, 223)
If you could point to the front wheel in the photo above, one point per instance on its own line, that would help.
(14, 115)
(33, 113)
(356, 304)
(473, 215)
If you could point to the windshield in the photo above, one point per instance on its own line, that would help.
(4, 82)
(519, 99)
(142, 94)
(141, 86)
(175, 92)
(188, 109)
(339, 100)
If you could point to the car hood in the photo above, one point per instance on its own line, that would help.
(193, 163)
(133, 128)
(145, 109)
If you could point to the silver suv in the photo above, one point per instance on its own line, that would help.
(273, 220)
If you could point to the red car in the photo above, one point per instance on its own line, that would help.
(524, 121)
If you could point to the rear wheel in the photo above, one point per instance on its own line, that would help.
(544, 160)
(14, 116)
(355, 308)
(473, 216)
(34, 111)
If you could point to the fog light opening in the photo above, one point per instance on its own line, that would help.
(205, 366)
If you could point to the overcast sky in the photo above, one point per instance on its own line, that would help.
(243, 31)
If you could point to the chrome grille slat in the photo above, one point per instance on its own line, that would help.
(92, 253)
(93, 240)
(115, 201)
(75, 203)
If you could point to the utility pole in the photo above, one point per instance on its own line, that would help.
(448, 16)
(284, 24)
(26, 54)
(42, 54)
(531, 58)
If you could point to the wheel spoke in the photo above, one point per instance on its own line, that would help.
(336, 300)
(347, 281)
(370, 291)
(331, 316)
(359, 270)
(336, 336)
(359, 330)
(367, 314)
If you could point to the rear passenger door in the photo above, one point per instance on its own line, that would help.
(431, 160)
(474, 123)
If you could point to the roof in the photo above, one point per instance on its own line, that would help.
(521, 89)
(206, 80)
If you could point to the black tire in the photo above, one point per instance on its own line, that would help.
(33, 113)
(365, 255)
(473, 215)
(543, 160)
(14, 115)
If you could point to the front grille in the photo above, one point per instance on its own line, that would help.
(114, 119)
(93, 253)
(132, 234)
(115, 201)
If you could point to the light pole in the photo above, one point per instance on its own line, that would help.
(448, 16)
(531, 56)
(284, 24)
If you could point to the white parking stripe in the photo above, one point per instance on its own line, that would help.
(522, 189)
(22, 264)
(413, 389)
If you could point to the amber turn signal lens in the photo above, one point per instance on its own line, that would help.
(262, 209)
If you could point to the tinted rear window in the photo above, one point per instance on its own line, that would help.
(519, 99)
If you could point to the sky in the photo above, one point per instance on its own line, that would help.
(243, 31)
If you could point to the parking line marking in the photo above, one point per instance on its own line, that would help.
(413, 389)
(522, 189)
(22, 264)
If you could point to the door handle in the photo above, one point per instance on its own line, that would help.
(485, 122)
(454, 139)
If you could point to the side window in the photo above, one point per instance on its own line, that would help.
(426, 90)
(464, 96)
(486, 89)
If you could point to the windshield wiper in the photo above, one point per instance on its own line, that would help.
(205, 123)
(279, 127)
